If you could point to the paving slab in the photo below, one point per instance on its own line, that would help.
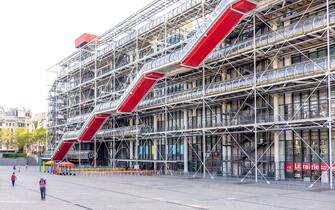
(152, 192)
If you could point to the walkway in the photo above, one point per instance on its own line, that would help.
(129, 192)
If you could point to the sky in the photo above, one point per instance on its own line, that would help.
(36, 34)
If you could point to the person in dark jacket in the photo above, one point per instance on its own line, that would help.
(43, 184)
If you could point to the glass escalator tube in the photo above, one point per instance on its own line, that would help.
(298, 29)
(227, 50)
(234, 49)
(215, 88)
(229, 85)
(319, 22)
(262, 41)
(309, 67)
(332, 18)
(238, 84)
(212, 88)
(247, 81)
(288, 31)
(308, 26)
(282, 74)
(218, 87)
(240, 47)
(271, 38)
(300, 69)
(290, 73)
(280, 35)
(322, 65)
(223, 86)
(270, 76)
(249, 44)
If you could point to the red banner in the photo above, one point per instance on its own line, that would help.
(290, 166)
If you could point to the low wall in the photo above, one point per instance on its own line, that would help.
(13, 161)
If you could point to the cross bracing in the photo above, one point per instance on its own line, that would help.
(258, 107)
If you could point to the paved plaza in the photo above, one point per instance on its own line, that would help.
(133, 192)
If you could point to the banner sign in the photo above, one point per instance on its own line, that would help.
(297, 166)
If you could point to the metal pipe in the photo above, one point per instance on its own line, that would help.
(330, 151)
(255, 97)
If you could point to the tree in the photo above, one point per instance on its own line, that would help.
(7, 137)
(35, 124)
(1, 134)
(39, 135)
(23, 138)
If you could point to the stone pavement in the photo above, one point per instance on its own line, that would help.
(132, 192)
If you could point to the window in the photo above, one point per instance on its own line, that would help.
(312, 55)
(289, 154)
(332, 50)
(296, 59)
(182, 149)
(297, 155)
(322, 52)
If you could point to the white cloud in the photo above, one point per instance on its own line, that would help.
(36, 34)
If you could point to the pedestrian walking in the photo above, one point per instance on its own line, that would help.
(14, 167)
(42, 183)
(13, 179)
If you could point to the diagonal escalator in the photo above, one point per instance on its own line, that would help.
(215, 28)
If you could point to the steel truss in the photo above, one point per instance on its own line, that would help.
(231, 79)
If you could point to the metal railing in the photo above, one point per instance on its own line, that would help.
(177, 56)
(304, 69)
(121, 131)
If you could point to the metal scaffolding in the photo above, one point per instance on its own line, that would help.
(260, 107)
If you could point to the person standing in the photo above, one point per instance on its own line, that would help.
(13, 178)
(42, 183)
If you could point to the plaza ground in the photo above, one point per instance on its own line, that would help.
(134, 192)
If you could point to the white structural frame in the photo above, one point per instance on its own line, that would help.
(111, 76)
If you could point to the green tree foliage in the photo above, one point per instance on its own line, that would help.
(23, 138)
(7, 136)
(35, 123)
(39, 135)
